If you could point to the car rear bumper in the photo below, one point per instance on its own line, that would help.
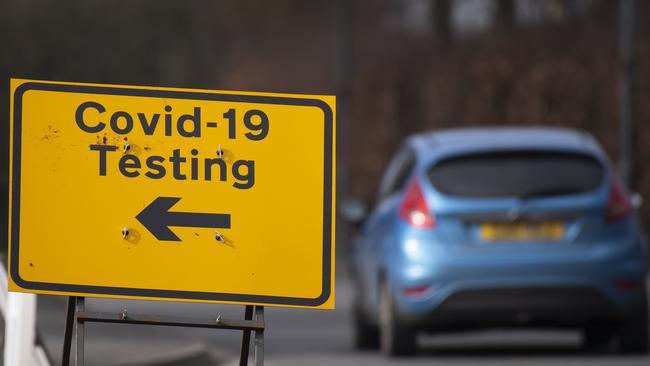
(542, 306)
(554, 290)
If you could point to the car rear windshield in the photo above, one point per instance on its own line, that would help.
(522, 174)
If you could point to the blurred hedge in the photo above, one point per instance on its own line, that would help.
(560, 74)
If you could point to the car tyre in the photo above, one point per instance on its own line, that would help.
(395, 338)
(598, 337)
(366, 335)
(633, 334)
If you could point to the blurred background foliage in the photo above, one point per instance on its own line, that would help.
(397, 66)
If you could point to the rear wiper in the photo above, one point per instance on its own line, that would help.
(547, 192)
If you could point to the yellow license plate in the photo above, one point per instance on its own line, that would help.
(522, 231)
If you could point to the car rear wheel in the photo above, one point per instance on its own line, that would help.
(396, 339)
(633, 333)
(598, 337)
(366, 335)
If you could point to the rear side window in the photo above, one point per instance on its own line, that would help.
(397, 172)
(520, 174)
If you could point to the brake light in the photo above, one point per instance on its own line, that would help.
(414, 209)
(618, 203)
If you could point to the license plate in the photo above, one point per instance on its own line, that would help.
(522, 231)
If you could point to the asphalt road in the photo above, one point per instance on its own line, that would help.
(300, 337)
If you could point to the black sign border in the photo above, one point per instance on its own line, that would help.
(168, 294)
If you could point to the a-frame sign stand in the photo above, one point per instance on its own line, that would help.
(77, 316)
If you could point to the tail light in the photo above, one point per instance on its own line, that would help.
(618, 203)
(414, 209)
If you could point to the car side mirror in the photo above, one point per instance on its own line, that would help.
(353, 211)
(636, 200)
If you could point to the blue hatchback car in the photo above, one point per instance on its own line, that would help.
(496, 227)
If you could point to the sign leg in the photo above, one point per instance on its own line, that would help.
(259, 337)
(79, 333)
(67, 333)
(246, 338)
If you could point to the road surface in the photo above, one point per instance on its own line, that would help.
(300, 337)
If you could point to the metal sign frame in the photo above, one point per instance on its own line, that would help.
(77, 316)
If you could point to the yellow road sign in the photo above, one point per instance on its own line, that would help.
(173, 194)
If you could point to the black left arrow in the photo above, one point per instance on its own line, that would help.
(157, 219)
